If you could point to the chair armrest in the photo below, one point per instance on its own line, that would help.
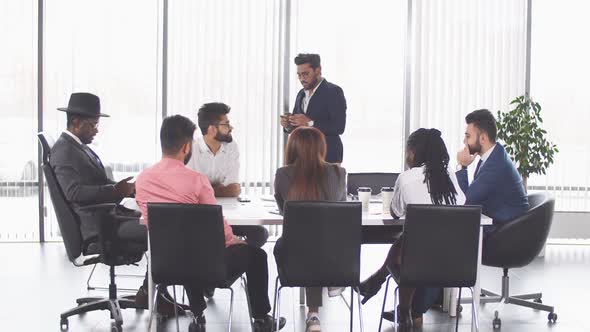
(103, 207)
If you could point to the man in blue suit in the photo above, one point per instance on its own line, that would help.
(496, 185)
(319, 104)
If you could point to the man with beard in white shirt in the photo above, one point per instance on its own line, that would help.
(216, 155)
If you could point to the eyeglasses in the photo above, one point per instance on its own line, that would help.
(224, 124)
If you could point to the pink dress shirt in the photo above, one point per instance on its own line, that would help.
(169, 181)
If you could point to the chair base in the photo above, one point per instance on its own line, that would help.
(522, 300)
(114, 307)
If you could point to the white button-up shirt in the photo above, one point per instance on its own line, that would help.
(411, 189)
(486, 155)
(73, 136)
(220, 168)
(308, 95)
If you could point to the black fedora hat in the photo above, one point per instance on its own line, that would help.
(83, 103)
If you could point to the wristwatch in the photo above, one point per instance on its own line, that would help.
(310, 123)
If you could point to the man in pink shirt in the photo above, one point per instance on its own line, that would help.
(169, 181)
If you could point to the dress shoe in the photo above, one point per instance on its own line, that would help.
(164, 306)
(268, 324)
(371, 286)
(198, 324)
(141, 298)
(404, 317)
(170, 299)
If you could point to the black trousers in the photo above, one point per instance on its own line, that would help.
(256, 236)
(239, 259)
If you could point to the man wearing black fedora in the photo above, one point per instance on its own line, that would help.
(83, 179)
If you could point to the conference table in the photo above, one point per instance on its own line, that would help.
(263, 211)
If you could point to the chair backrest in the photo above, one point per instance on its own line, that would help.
(68, 221)
(518, 242)
(373, 180)
(187, 244)
(46, 142)
(321, 244)
(440, 246)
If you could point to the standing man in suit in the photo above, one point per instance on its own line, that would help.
(83, 179)
(496, 185)
(319, 104)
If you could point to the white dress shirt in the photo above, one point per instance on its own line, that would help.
(410, 188)
(73, 136)
(220, 168)
(308, 95)
(486, 155)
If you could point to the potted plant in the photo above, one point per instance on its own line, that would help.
(525, 140)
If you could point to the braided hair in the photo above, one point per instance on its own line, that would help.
(430, 151)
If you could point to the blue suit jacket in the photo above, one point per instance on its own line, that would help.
(327, 109)
(497, 187)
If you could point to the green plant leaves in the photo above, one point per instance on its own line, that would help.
(525, 140)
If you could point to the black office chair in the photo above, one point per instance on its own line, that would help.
(320, 247)
(516, 244)
(373, 180)
(440, 248)
(373, 235)
(107, 249)
(188, 246)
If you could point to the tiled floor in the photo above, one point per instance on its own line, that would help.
(39, 283)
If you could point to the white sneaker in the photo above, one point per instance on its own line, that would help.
(335, 291)
(313, 323)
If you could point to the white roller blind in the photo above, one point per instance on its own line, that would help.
(227, 51)
(466, 55)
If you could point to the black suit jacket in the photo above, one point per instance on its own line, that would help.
(82, 178)
(327, 109)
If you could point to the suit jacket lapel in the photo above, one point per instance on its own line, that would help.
(316, 96)
(92, 160)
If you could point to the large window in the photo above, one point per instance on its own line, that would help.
(18, 121)
(118, 61)
(466, 55)
(227, 51)
(559, 82)
(361, 45)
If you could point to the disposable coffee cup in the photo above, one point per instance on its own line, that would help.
(386, 196)
(364, 194)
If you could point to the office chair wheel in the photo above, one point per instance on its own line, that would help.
(552, 317)
(496, 323)
(459, 308)
(63, 324)
(538, 300)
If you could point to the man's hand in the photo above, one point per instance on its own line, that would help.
(231, 190)
(236, 240)
(299, 120)
(124, 188)
(464, 158)
(285, 121)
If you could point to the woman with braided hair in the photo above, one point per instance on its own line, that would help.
(427, 181)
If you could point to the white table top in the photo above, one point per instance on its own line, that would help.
(265, 212)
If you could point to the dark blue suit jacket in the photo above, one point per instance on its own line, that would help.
(497, 187)
(327, 109)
